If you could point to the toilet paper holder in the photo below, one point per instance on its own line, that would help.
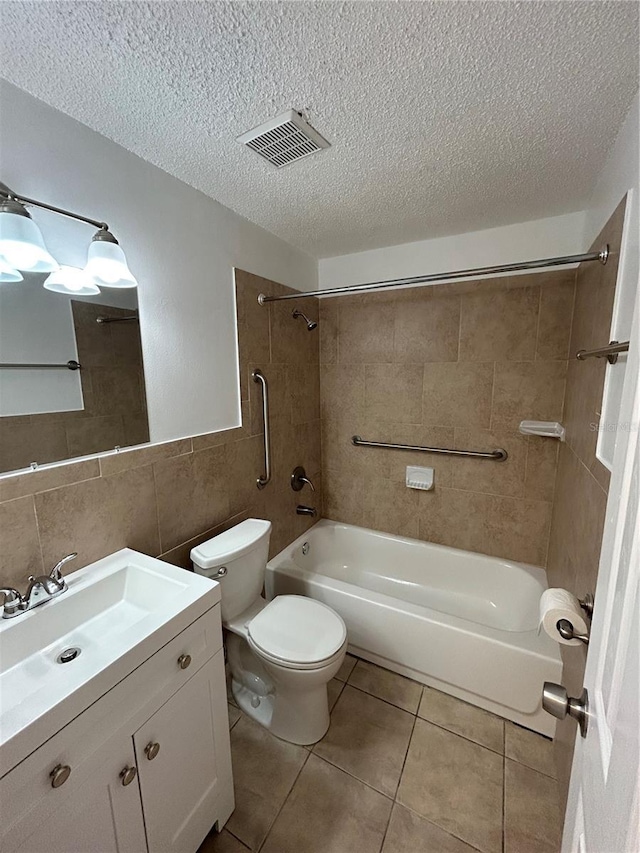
(565, 628)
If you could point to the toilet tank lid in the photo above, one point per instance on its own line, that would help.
(231, 544)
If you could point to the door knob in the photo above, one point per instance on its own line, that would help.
(128, 774)
(558, 703)
(151, 750)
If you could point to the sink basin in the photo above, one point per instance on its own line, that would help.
(117, 613)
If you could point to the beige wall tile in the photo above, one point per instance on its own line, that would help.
(303, 383)
(97, 517)
(23, 443)
(542, 462)
(421, 436)
(328, 329)
(342, 390)
(93, 435)
(365, 332)
(192, 494)
(343, 497)
(426, 328)
(487, 475)
(20, 554)
(181, 556)
(394, 391)
(391, 507)
(47, 478)
(499, 324)
(554, 323)
(527, 391)
(291, 341)
(137, 458)
(457, 394)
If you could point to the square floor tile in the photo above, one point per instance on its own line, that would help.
(222, 842)
(264, 770)
(234, 714)
(410, 833)
(387, 685)
(347, 665)
(329, 811)
(532, 821)
(455, 783)
(463, 719)
(529, 748)
(334, 689)
(368, 738)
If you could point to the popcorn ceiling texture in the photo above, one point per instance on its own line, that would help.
(444, 117)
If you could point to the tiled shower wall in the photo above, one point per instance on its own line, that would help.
(163, 499)
(582, 480)
(452, 366)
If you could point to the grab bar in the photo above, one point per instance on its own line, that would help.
(499, 454)
(258, 376)
(72, 364)
(610, 352)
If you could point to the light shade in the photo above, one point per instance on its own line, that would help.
(7, 272)
(71, 281)
(21, 242)
(106, 263)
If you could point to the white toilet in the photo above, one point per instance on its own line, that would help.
(281, 653)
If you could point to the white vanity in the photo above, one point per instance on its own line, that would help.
(125, 746)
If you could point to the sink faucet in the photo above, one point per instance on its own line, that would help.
(40, 589)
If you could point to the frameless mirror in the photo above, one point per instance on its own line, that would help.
(50, 411)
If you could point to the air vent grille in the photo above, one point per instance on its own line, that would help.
(284, 139)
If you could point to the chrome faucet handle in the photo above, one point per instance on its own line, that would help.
(13, 601)
(299, 479)
(56, 573)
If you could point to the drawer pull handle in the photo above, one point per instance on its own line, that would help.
(128, 774)
(151, 750)
(184, 661)
(59, 775)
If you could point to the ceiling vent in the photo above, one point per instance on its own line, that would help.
(284, 139)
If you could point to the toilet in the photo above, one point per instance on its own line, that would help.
(281, 653)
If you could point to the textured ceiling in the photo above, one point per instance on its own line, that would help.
(445, 117)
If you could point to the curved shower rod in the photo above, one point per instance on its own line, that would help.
(433, 278)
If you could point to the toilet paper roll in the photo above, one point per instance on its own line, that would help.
(556, 604)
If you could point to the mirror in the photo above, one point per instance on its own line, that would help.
(51, 413)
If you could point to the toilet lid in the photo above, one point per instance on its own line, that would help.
(297, 629)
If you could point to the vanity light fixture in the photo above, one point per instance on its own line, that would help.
(22, 247)
(21, 243)
(8, 273)
(72, 281)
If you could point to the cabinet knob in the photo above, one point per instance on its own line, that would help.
(151, 750)
(59, 775)
(184, 661)
(128, 774)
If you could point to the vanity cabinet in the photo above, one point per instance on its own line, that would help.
(145, 768)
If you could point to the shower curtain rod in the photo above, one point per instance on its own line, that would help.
(601, 256)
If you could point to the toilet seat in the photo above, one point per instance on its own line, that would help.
(297, 632)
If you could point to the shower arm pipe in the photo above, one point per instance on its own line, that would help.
(258, 376)
(434, 278)
(6, 193)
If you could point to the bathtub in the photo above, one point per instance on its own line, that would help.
(461, 622)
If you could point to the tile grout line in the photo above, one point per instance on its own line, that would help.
(286, 799)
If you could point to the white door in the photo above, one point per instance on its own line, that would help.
(91, 812)
(185, 763)
(603, 811)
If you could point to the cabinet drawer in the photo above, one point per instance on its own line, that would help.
(128, 705)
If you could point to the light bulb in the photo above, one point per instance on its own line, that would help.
(7, 272)
(21, 242)
(72, 281)
(106, 262)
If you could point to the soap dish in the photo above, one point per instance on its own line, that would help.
(419, 478)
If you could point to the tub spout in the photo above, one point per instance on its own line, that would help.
(306, 510)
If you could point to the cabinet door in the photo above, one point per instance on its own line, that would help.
(91, 812)
(184, 760)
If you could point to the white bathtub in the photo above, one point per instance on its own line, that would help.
(461, 622)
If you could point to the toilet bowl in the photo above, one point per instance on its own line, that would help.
(281, 653)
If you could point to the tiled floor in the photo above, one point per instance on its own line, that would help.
(402, 769)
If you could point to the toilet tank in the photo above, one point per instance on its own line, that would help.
(243, 550)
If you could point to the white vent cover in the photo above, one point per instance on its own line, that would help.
(284, 139)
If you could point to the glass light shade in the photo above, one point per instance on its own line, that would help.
(7, 272)
(107, 265)
(21, 244)
(71, 281)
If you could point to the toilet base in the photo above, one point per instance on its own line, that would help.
(292, 704)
